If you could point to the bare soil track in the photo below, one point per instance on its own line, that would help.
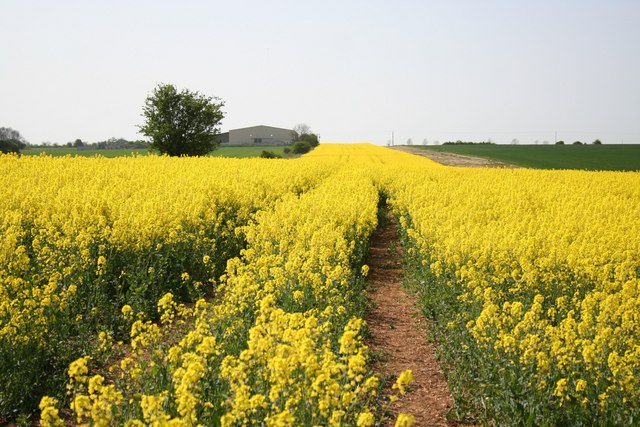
(399, 335)
(450, 159)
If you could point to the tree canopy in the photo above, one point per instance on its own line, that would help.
(181, 123)
(302, 133)
(11, 141)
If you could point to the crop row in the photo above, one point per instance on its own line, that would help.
(279, 344)
(229, 292)
(82, 238)
(532, 277)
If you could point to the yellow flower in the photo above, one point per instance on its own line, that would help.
(405, 420)
(81, 405)
(561, 388)
(364, 270)
(127, 312)
(78, 369)
(365, 419)
(404, 379)
(49, 416)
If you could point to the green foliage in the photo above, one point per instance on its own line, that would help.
(302, 132)
(119, 143)
(559, 142)
(11, 141)
(10, 146)
(597, 142)
(301, 147)
(181, 123)
(269, 155)
(304, 139)
(311, 138)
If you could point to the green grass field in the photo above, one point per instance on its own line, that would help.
(220, 152)
(246, 151)
(615, 157)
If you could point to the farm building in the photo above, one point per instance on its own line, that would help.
(257, 135)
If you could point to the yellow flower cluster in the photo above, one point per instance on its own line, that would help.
(536, 274)
(84, 237)
(532, 275)
(281, 341)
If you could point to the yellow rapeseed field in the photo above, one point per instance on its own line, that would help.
(533, 276)
(200, 291)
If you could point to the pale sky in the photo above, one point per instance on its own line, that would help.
(352, 70)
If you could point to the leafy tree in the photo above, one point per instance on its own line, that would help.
(78, 143)
(577, 143)
(302, 132)
(310, 138)
(559, 142)
(298, 130)
(11, 141)
(181, 123)
(597, 142)
(11, 134)
(10, 146)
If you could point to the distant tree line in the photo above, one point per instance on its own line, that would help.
(596, 142)
(112, 144)
(109, 144)
(458, 142)
(12, 142)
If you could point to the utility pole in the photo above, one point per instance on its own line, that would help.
(392, 141)
(556, 138)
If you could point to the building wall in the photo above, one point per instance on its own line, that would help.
(223, 138)
(260, 135)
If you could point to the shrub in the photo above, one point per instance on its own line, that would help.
(11, 146)
(301, 147)
(311, 138)
(269, 155)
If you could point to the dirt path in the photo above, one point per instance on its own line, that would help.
(398, 334)
(451, 159)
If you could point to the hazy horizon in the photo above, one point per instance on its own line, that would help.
(352, 70)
